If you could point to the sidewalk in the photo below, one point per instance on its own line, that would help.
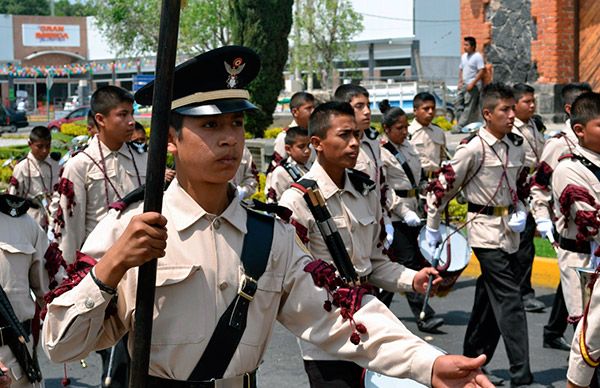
(544, 273)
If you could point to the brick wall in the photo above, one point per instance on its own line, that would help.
(473, 22)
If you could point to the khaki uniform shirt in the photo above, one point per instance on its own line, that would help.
(397, 179)
(35, 179)
(279, 144)
(572, 172)
(356, 217)
(280, 180)
(247, 174)
(94, 189)
(196, 281)
(579, 371)
(484, 186)
(533, 141)
(22, 247)
(430, 142)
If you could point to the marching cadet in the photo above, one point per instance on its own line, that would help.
(22, 247)
(402, 168)
(201, 240)
(246, 177)
(541, 208)
(35, 176)
(427, 138)
(485, 167)
(575, 186)
(293, 168)
(103, 173)
(533, 146)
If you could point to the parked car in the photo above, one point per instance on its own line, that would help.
(76, 115)
(72, 103)
(11, 120)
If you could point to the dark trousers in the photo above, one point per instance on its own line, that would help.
(557, 323)
(525, 256)
(498, 310)
(333, 374)
(120, 366)
(405, 250)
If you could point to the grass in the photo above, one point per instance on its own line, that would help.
(543, 248)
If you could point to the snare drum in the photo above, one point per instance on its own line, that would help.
(460, 254)
(375, 380)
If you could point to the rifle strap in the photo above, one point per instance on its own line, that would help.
(594, 169)
(232, 324)
(402, 160)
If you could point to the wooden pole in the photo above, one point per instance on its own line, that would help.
(157, 156)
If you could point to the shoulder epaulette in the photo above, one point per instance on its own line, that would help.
(371, 133)
(14, 206)
(304, 184)
(268, 209)
(516, 139)
(558, 135)
(131, 198)
(361, 181)
(467, 139)
(566, 156)
(55, 156)
(138, 147)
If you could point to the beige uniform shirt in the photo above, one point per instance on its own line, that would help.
(430, 142)
(96, 183)
(35, 179)
(22, 247)
(280, 180)
(483, 186)
(571, 172)
(279, 144)
(247, 174)
(397, 179)
(197, 280)
(579, 371)
(533, 143)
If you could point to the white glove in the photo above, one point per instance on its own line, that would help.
(389, 236)
(433, 237)
(412, 219)
(545, 227)
(517, 221)
(241, 193)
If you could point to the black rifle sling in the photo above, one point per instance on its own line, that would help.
(294, 171)
(398, 155)
(232, 324)
(590, 166)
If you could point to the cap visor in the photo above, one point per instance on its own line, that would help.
(216, 107)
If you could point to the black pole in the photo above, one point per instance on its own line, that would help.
(155, 181)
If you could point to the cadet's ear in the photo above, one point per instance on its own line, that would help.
(579, 130)
(486, 113)
(171, 141)
(287, 148)
(316, 143)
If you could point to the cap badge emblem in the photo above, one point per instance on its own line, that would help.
(233, 70)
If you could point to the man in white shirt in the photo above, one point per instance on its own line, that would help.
(470, 73)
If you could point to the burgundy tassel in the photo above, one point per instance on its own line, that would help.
(65, 187)
(437, 189)
(542, 176)
(449, 174)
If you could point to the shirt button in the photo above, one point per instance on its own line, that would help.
(217, 224)
(89, 303)
(223, 286)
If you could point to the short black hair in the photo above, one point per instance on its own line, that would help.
(320, 119)
(139, 127)
(300, 98)
(422, 97)
(585, 108)
(389, 114)
(345, 93)
(293, 133)
(570, 91)
(176, 121)
(520, 89)
(91, 120)
(471, 40)
(494, 92)
(108, 97)
(40, 133)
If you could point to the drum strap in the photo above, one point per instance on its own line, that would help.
(403, 162)
(590, 166)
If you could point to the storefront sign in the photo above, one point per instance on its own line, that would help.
(51, 35)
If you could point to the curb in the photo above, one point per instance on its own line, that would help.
(544, 273)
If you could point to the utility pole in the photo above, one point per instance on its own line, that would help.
(51, 7)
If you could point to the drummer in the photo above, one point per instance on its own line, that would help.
(402, 167)
(485, 167)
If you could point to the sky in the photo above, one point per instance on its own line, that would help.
(384, 19)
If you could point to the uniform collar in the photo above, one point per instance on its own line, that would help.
(326, 185)
(590, 155)
(569, 133)
(519, 123)
(185, 211)
(34, 160)
(124, 151)
(490, 139)
(415, 125)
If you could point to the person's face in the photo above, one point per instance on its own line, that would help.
(468, 48)
(362, 111)
(139, 136)
(525, 107)
(92, 128)
(302, 113)
(424, 113)
(499, 121)
(340, 146)
(589, 134)
(209, 148)
(117, 126)
(40, 149)
(299, 151)
(398, 131)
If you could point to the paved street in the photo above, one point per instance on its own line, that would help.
(283, 365)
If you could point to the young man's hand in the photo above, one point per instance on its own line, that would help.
(421, 280)
(144, 239)
(459, 371)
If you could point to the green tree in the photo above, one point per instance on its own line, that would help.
(25, 7)
(263, 25)
(68, 8)
(322, 33)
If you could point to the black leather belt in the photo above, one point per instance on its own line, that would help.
(490, 210)
(159, 382)
(406, 193)
(574, 246)
(8, 331)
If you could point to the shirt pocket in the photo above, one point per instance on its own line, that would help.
(97, 185)
(15, 260)
(182, 306)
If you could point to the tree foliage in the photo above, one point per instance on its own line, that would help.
(25, 7)
(322, 36)
(68, 8)
(264, 25)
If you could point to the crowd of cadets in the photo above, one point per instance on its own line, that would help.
(380, 191)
